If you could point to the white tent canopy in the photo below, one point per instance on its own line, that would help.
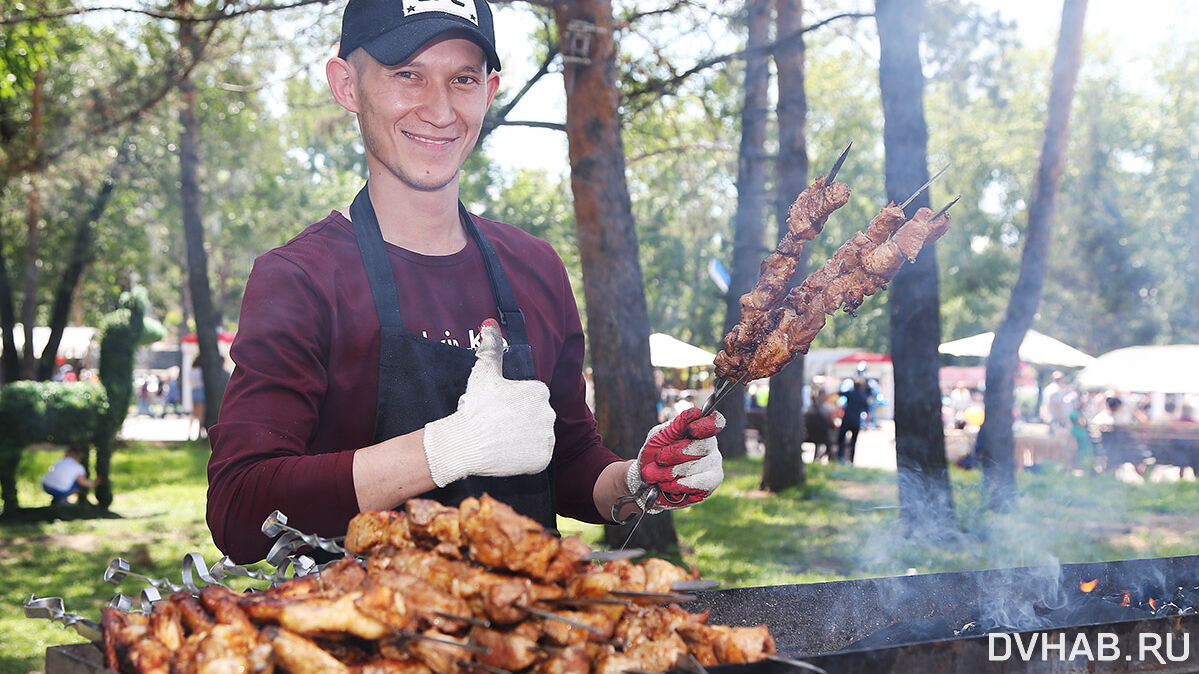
(666, 351)
(1036, 348)
(76, 342)
(1145, 369)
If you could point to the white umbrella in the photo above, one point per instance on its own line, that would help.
(76, 341)
(666, 351)
(1145, 369)
(1036, 348)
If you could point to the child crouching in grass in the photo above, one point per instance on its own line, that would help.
(67, 476)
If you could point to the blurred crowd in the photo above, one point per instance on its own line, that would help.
(1063, 406)
(834, 411)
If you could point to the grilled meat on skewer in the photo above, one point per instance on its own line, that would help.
(862, 266)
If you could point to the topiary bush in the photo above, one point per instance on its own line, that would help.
(75, 415)
(80, 414)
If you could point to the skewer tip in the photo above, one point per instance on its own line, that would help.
(837, 166)
(945, 208)
(924, 186)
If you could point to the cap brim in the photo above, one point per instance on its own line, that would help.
(397, 46)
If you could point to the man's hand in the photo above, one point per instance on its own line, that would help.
(502, 427)
(681, 458)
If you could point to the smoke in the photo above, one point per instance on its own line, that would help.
(1060, 516)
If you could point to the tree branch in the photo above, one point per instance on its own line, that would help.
(671, 84)
(553, 126)
(498, 119)
(159, 14)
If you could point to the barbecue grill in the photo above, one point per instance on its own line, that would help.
(938, 623)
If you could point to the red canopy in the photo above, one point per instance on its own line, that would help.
(192, 338)
(865, 356)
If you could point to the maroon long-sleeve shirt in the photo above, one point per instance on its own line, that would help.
(302, 397)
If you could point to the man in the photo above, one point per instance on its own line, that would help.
(355, 387)
(851, 420)
(1057, 400)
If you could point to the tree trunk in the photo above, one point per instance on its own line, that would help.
(10, 362)
(783, 465)
(81, 255)
(750, 225)
(33, 216)
(211, 362)
(1190, 322)
(617, 318)
(997, 441)
(925, 499)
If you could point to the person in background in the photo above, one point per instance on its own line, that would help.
(171, 397)
(872, 401)
(818, 427)
(1085, 456)
(1106, 416)
(67, 476)
(197, 417)
(1054, 408)
(1187, 415)
(144, 396)
(960, 400)
(853, 409)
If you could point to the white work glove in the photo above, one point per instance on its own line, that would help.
(502, 427)
(680, 458)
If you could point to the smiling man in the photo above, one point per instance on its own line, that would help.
(404, 347)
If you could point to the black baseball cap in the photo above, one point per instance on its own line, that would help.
(393, 30)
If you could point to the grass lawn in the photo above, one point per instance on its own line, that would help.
(842, 525)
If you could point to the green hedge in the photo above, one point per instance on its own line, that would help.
(80, 414)
(54, 412)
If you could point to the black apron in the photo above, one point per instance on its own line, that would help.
(420, 379)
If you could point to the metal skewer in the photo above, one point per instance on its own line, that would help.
(119, 569)
(612, 555)
(946, 208)
(51, 608)
(562, 619)
(837, 166)
(276, 523)
(923, 187)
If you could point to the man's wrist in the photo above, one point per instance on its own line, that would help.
(632, 478)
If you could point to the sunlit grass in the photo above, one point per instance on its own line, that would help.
(159, 495)
(844, 523)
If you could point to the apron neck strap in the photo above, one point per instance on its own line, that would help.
(382, 279)
(511, 317)
(374, 258)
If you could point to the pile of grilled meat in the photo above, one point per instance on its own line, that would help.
(478, 588)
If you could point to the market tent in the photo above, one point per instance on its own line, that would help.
(78, 343)
(865, 357)
(1036, 348)
(1145, 369)
(666, 351)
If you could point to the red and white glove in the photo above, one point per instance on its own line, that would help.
(502, 427)
(680, 458)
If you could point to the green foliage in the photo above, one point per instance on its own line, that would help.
(161, 507)
(76, 414)
(120, 334)
(55, 412)
(152, 331)
(24, 48)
